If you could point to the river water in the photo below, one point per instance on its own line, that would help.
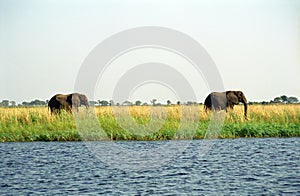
(230, 166)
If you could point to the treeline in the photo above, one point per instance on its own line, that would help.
(36, 102)
(152, 102)
(277, 100)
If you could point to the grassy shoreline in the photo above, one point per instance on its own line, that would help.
(147, 123)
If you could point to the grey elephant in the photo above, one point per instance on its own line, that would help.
(67, 102)
(223, 100)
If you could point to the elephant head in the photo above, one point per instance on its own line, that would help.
(77, 100)
(67, 102)
(236, 97)
(222, 100)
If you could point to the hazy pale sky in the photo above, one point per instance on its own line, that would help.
(254, 44)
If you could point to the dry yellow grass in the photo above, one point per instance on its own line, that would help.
(279, 113)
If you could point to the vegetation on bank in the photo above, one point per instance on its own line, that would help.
(148, 123)
(7, 103)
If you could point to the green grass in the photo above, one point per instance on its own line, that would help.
(147, 123)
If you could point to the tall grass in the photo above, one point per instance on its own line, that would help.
(264, 121)
(147, 123)
(36, 124)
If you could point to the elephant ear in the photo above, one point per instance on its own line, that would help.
(232, 97)
(81, 97)
(239, 93)
(242, 97)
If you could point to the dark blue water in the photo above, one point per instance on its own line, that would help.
(239, 166)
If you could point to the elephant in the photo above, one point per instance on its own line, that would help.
(67, 102)
(223, 100)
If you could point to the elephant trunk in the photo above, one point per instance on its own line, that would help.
(245, 107)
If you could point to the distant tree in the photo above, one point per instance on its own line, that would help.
(284, 98)
(37, 103)
(4, 103)
(138, 102)
(178, 102)
(13, 103)
(145, 103)
(169, 102)
(277, 100)
(127, 103)
(292, 100)
(103, 103)
(153, 102)
(111, 103)
(93, 103)
(191, 103)
(25, 103)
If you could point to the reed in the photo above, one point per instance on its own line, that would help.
(148, 123)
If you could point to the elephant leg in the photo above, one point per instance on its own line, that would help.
(230, 105)
(74, 108)
(69, 109)
(53, 111)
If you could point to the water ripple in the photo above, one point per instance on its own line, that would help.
(232, 166)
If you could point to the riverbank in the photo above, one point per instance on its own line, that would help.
(148, 123)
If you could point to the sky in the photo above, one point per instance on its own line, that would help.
(255, 45)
